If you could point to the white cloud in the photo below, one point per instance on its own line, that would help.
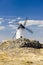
(2, 27)
(29, 22)
(21, 22)
(12, 26)
(40, 25)
(19, 18)
(32, 22)
(1, 20)
(12, 21)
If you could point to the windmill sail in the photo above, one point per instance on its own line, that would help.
(25, 21)
(14, 35)
(29, 30)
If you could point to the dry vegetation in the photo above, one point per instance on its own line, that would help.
(11, 55)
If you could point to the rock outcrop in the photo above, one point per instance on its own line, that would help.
(22, 42)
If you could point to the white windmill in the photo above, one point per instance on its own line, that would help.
(20, 32)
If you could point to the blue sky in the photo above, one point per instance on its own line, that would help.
(31, 8)
(12, 11)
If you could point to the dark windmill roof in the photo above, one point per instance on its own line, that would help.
(21, 26)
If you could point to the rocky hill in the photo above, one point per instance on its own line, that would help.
(21, 52)
(22, 42)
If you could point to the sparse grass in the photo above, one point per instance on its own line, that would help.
(21, 56)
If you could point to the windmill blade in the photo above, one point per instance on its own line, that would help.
(29, 30)
(25, 21)
(14, 35)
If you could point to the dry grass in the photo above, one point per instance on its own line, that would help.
(21, 56)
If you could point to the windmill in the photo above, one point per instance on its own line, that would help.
(20, 30)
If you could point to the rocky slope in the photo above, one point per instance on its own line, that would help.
(21, 52)
(22, 42)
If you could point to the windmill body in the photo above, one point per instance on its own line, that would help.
(20, 32)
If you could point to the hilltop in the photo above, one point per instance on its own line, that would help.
(21, 42)
(21, 52)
